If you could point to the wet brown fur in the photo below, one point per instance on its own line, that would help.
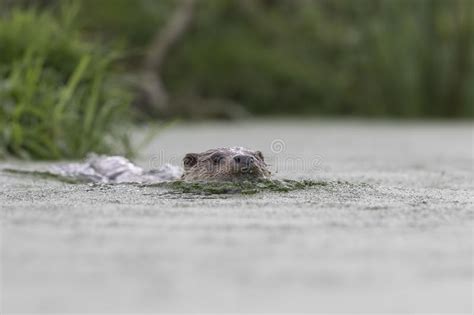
(220, 164)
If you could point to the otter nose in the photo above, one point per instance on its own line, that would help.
(244, 160)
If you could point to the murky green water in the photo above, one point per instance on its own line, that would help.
(197, 187)
(359, 217)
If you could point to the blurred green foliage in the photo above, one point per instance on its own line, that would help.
(399, 58)
(389, 58)
(59, 97)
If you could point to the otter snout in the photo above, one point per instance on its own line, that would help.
(244, 161)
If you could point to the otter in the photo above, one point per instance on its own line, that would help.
(225, 164)
(221, 164)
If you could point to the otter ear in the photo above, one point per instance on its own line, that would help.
(190, 160)
(259, 155)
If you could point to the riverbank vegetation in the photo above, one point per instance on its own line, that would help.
(376, 58)
(59, 96)
(72, 72)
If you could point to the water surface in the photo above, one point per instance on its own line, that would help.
(389, 231)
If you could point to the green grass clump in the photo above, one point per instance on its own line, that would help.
(59, 95)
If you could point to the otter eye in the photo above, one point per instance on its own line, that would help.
(190, 160)
(217, 158)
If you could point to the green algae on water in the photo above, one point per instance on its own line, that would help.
(46, 175)
(202, 188)
(240, 187)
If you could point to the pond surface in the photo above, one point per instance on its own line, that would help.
(389, 230)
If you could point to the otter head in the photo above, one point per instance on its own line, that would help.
(225, 164)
